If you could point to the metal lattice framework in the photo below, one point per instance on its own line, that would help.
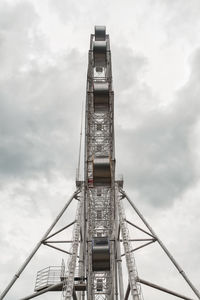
(99, 163)
(93, 270)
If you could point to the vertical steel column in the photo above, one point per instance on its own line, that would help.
(99, 164)
(130, 261)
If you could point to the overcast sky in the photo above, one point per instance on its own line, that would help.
(156, 72)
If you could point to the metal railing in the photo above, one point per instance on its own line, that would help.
(48, 276)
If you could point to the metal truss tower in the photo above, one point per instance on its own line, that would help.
(100, 230)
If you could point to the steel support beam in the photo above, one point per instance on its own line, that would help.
(140, 247)
(43, 291)
(17, 275)
(58, 242)
(74, 295)
(162, 246)
(130, 223)
(127, 292)
(139, 240)
(160, 288)
(53, 234)
(118, 255)
(120, 275)
(56, 248)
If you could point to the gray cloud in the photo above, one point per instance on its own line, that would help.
(181, 19)
(36, 109)
(69, 10)
(128, 69)
(40, 103)
(35, 131)
(17, 24)
(159, 162)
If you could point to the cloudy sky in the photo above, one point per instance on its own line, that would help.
(156, 71)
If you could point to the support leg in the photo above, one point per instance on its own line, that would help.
(16, 276)
(160, 288)
(162, 246)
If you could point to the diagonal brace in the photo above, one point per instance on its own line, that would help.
(65, 251)
(139, 228)
(142, 246)
(127, 292)
(43, 291)
(53, 234)
(162, 245)
(155, 286)
(17, 275)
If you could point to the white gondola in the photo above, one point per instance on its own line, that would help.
(100, 33)
(101, 171)
(101, 96)
(100, 254)
(100, 53)
(100, 47)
